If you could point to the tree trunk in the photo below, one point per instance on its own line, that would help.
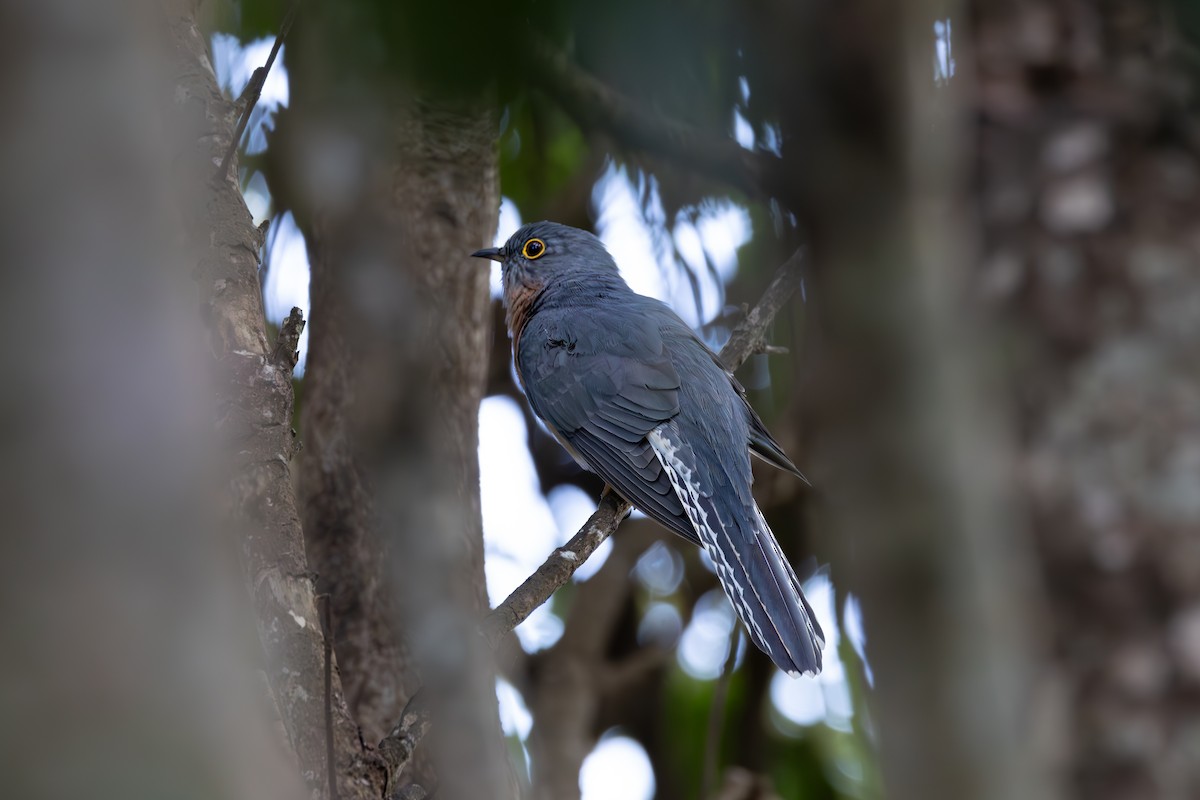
(1089, 203)
(399, 348)
(912, 445)
(255, 410)
(345, 545)
(123, 664)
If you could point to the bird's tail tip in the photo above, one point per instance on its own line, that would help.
(753, 571)
(765, 591)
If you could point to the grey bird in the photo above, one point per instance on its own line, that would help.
(637, 398)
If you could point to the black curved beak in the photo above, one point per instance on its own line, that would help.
(494, 253)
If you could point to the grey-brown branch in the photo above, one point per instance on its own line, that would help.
(253, 90)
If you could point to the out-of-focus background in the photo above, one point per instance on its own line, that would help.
(989, 372)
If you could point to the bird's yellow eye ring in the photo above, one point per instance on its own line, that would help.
(534, 248)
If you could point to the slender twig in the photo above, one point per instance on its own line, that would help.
(595, 106)
(253, 90)
(748, 336)
(554, 573)
(327, 635)
(562, 563)
(716, 714)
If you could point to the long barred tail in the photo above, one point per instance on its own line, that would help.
(752, 569)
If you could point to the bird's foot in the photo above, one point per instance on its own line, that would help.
(609, 490)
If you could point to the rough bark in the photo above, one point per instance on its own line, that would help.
(446, 195)
(1089, 204)
(344, 541)
(255, 409)
(398, 365)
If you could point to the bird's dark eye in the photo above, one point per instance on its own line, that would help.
(533, 248)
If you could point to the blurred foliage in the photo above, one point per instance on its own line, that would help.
(451, 45)
(683, 59)
(688, 48)
(859, 748)
(541, 152)
(799, 760)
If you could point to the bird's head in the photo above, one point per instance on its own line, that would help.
(543, 254)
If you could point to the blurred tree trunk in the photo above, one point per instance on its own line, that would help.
(1067, 139)
(912, 449)
(345, 544)
(124, 642)
(394, 180)
(1090, 203)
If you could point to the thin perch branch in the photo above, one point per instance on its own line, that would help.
(556, 570)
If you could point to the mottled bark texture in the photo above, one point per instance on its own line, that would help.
(1090, 204)
(911, 454)
(254, 420)
(344, 543)
(395, 183)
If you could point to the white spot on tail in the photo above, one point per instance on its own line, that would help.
(684, 482)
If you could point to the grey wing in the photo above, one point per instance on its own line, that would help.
(603, 390)
(762, 443)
